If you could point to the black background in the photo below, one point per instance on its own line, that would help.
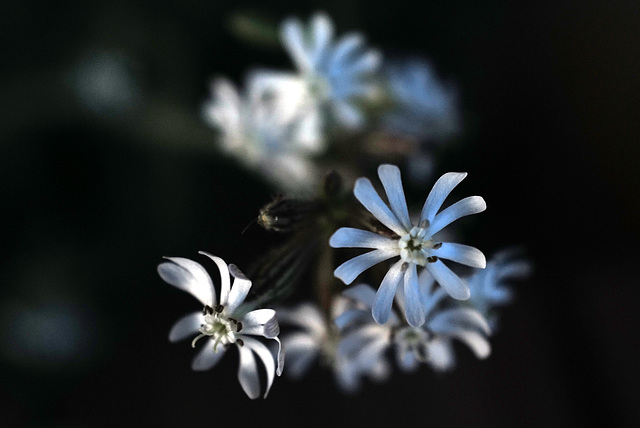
(91, 200)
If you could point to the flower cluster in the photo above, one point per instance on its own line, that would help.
(312, 133)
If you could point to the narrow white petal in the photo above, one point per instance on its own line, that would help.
(207, 357)
(414, 306)
(240, 289)
(452, 283)
(441, 356)
(363, 293)
(346, 45)
(186, 326)
(459, 319)
(347, 237)
(406, 359)
(474, 340)
(366, 63)
(248, 372)
(370, 199)
(267, 360)
(349, 270)
(392, 183)
(460, 253)
(261, 322)
(280, 356)
(302, 352)
(352, 316)
(306, 316)
(322, 29)
(189, 276)
(439, 193)
(292, 37)
(225, 281)
(464, 207)
(381, 309)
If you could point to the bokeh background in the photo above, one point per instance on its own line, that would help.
(106, 166)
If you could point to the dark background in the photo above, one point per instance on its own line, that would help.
(96, 188)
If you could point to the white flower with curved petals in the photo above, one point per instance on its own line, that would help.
(415, 245)
(431, 343)
(338, 72)
(223, 322)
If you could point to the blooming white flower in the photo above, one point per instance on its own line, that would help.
(270, 128)
(415, 245)
(489, 287)
(336, 73)
(423, 106)
(431, 343)
(224, 323)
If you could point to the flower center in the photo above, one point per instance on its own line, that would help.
(415, 340)
(219, 327)
(414, 246)
(318, 87)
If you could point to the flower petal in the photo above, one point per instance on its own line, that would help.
(474, 340)
(348, 237)
(381, 309)
(459, 319)
(452, 283)
(441, 356)
(261, 322)
(186, 326)
(322, 29)
(225, 281)
(189, 276)
(462, 254)
(414, 306)
(306, 316)
(248, 372)
(464, 207)
(349, 270)
(392, 183)
(370, 199)
(207, 357)
(302, 351)
(363, 293)
(267, 360)
(240, 289)
(346, 45)
(292, 37)
(439, 193)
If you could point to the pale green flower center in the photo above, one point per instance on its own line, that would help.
(416, 340)
(414, 246)
(219, 327)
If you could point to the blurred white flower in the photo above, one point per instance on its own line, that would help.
(337, 73)
(415, 245)
(270, 128)
(489, 287)
(431, 343)
(225, 323)
(423, 106)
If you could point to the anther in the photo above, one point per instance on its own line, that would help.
(238, 326)
(436, 246)
(240, 342)
(219, 308)
(432, 259)
(207, 310)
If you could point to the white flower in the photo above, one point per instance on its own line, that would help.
(269, 128)
(224, 323)
(431, 343)
(317, 338)
(336, 73)
(489, 287)
(424, 107)
(415, 245)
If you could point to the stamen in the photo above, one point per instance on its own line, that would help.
(207, 310)
(198, 337)
(436, 246)
(432, 259)
(219, 308)
(238, 326)
(240, 342)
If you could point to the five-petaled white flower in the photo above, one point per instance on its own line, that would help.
(224, 322)
(337, 74)
(415, 245)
